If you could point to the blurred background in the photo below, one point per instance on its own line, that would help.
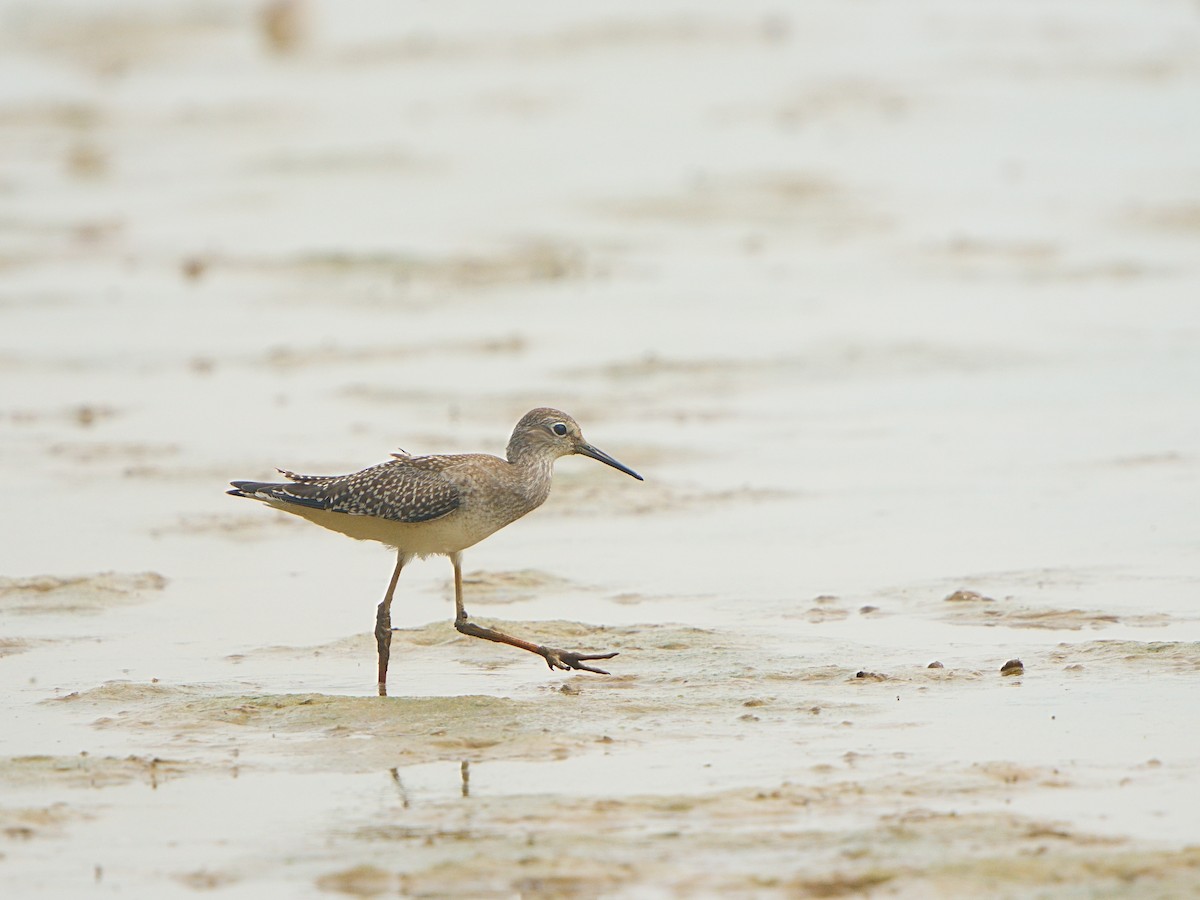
(884, 300)
(814, 248)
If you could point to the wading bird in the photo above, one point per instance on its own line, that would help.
(439, 506)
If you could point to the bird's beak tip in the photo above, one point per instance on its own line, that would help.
(601, 456)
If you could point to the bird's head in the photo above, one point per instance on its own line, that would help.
(551, 432)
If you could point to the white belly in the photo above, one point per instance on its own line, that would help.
(444, 536)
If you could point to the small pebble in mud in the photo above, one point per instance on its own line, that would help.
(935, 665)
(87, 415)
(284, 25)
(193, 268)
(962, 596)
(870, 676)
(85, 160)
(1013, 667)
(867, 610)
(568, 689)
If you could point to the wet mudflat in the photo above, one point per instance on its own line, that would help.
(898, 322)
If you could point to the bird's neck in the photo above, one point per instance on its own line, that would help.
(534, 472)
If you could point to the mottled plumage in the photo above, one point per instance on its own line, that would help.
(405, 489)
(430, 505)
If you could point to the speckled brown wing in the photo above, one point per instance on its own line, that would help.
(407, 489)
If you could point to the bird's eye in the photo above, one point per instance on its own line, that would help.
(559, 428)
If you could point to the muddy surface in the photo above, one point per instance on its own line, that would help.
(898, 321)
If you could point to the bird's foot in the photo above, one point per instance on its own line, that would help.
(565, 659)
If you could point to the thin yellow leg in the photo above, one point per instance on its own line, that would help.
(383, 624)
(555, 659)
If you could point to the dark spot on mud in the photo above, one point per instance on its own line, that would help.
(1013, 667)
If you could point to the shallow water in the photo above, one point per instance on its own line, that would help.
(897, 320)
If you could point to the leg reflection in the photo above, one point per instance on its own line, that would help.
(400, 787)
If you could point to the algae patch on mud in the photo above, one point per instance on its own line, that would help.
(686, 683)
(969, 607)
(767, 842)
(1179, 656)
(94, 593)
(343, 733)
(511, 586)
(86, 771)
(648, 649)
(27, 823)
(13, 646)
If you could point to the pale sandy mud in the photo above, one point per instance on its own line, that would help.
(687, 682)
(1140, 656)
(746, 844)
(85, 771)
(897, 319)
(825, 820)
(48, 595)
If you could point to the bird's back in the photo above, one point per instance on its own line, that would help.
(420, 504)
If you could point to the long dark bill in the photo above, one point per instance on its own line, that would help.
(595, 453)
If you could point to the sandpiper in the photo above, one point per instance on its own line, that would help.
(439, 506)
